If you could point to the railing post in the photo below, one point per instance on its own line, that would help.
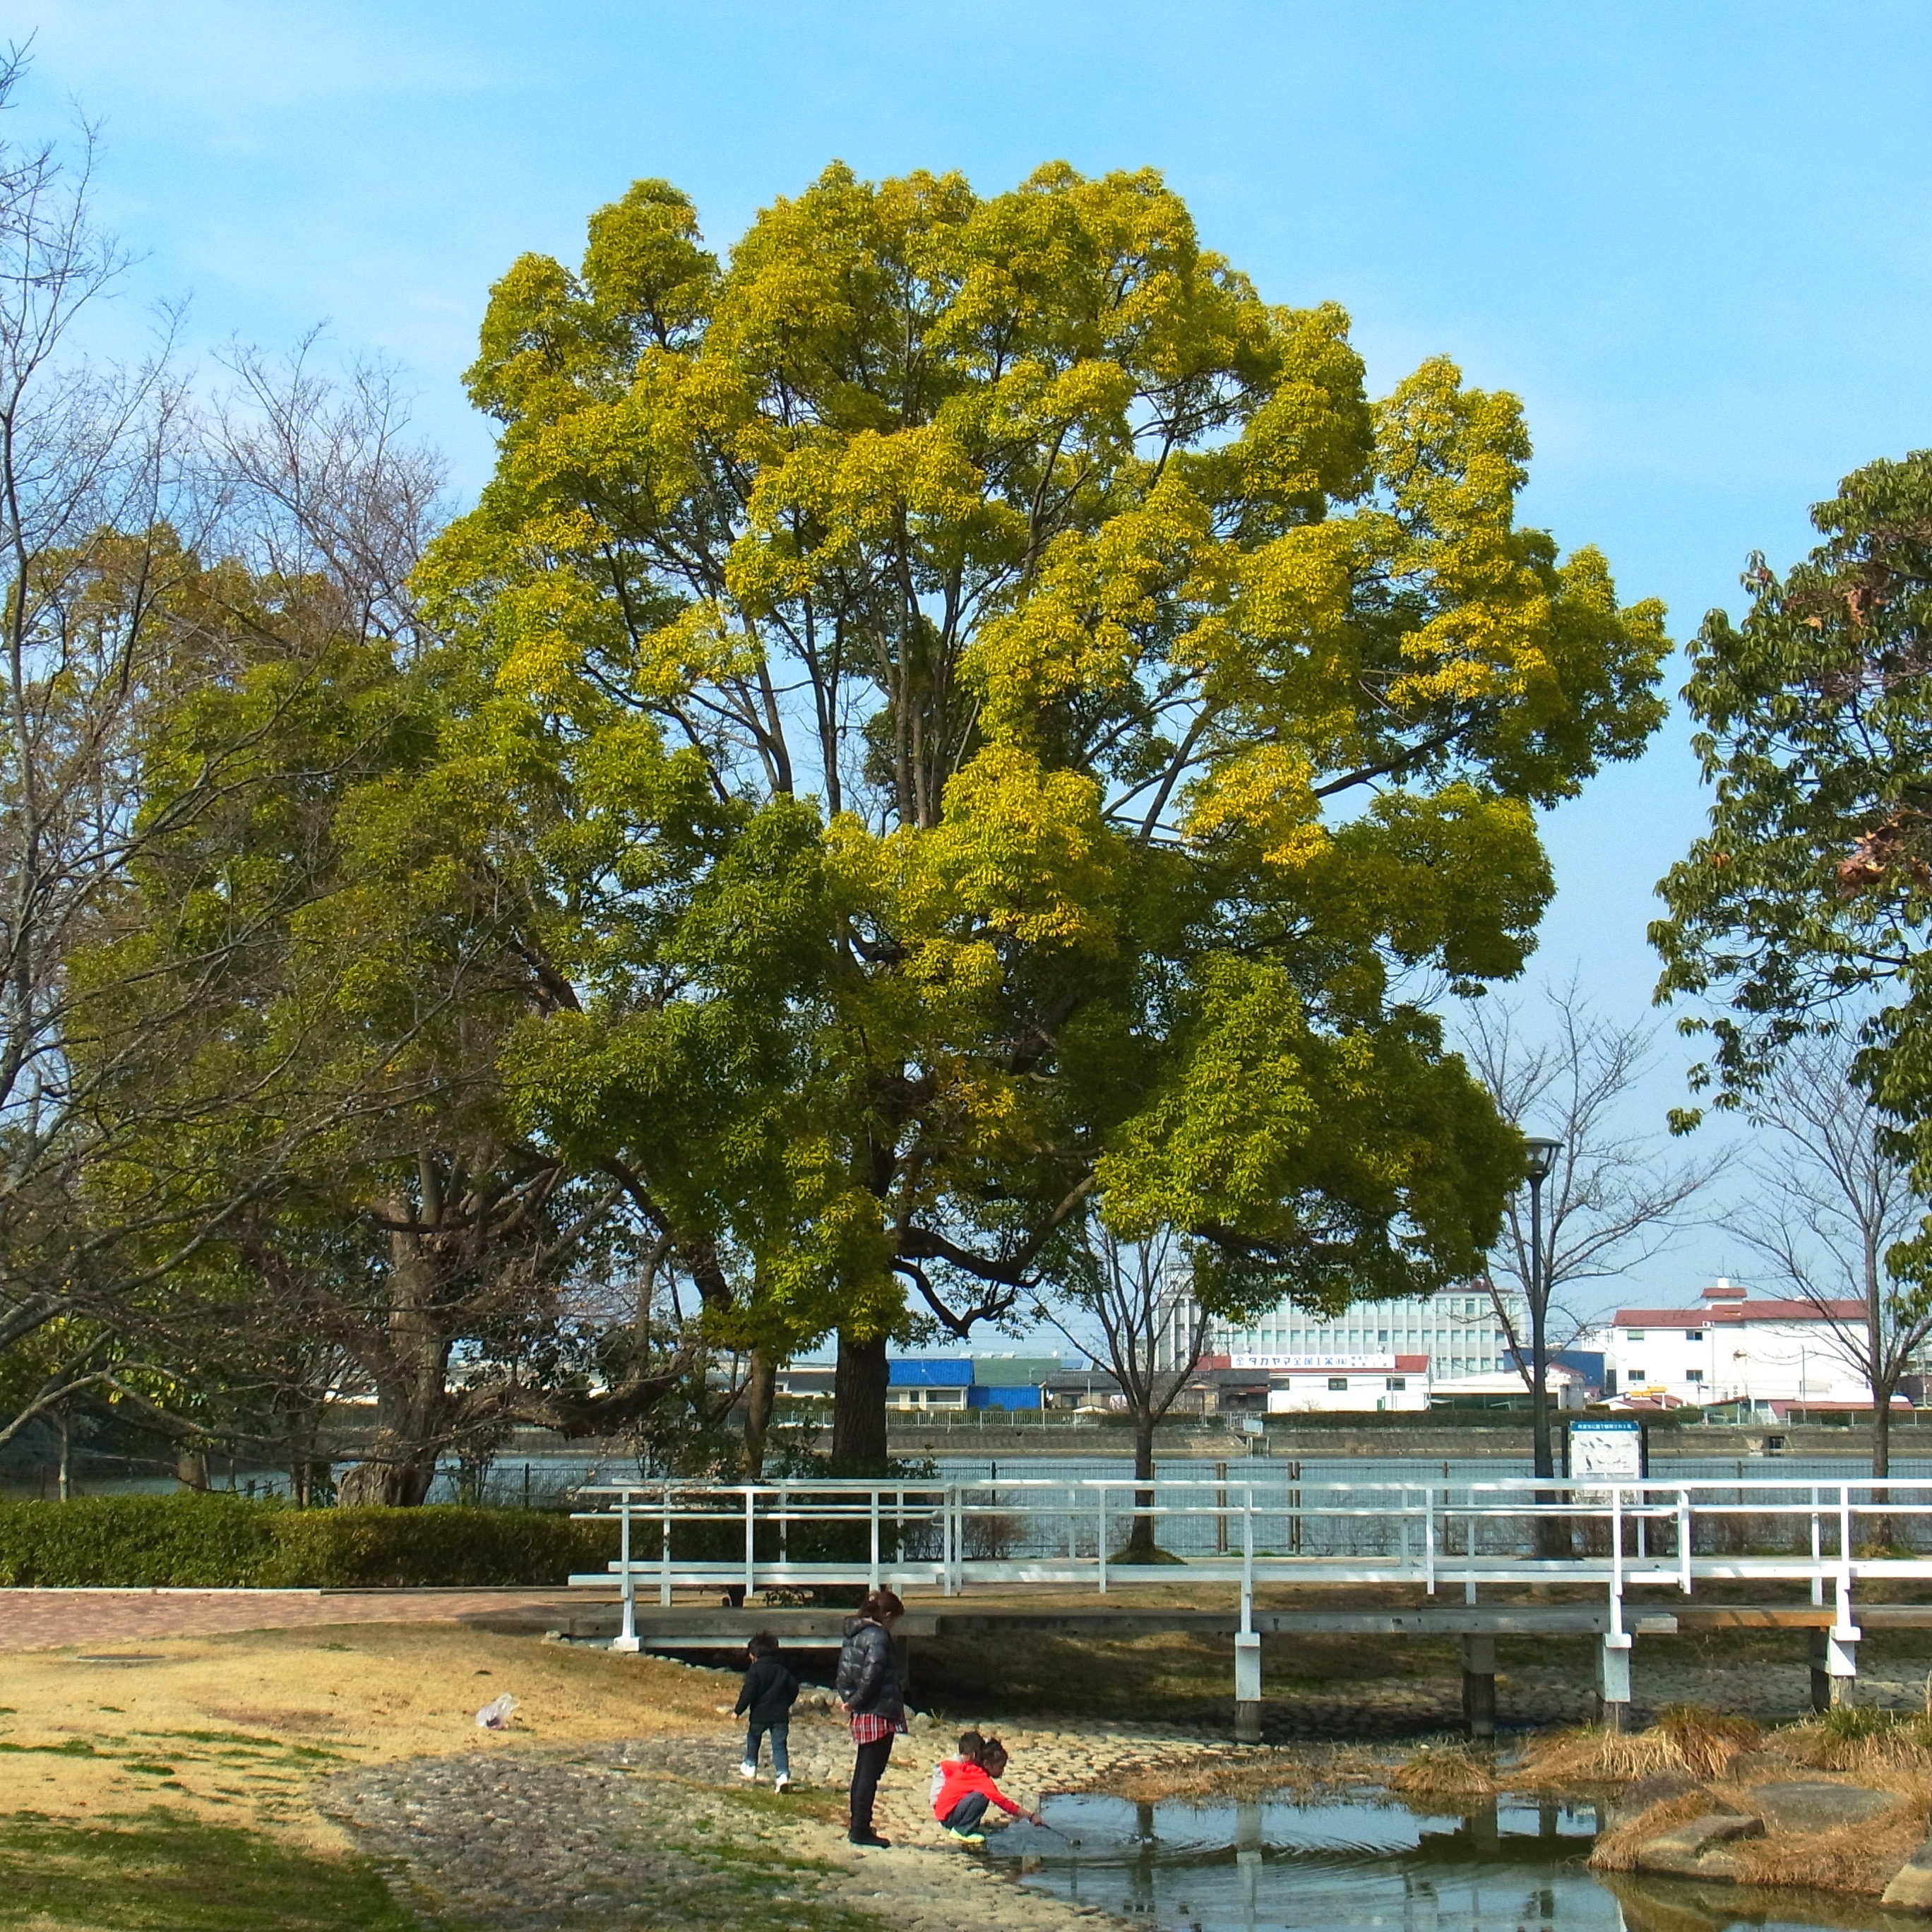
(1616, 1558)
(1683, 1541)
(1844, 1543)
(1100, 1551)
(1429, 1539)
(750, 1530)
(1817, 1551)
(1468, 1546)
(664, 1554)
(1613, 1678)
(875, 1536)
(626, 1639)
(1248, 1561)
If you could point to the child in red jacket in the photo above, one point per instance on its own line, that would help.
(967, 1786)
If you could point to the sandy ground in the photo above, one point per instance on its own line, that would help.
(233, 1727)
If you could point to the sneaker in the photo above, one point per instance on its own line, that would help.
(747, 1769)
(965, 1837)
(781, 1784)
(871, 1840)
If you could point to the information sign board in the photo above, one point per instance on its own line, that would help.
(1611, 1449)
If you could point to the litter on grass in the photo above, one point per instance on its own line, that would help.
(495, 1715)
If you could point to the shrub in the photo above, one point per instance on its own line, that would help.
(212, 1542)
(184, 1542)
(450, 1544)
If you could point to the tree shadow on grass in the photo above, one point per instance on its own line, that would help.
(161, 1873)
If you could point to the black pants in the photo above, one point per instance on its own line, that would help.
(965, 1816)
(868, 1766)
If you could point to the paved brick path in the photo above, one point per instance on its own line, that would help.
(61, 1619)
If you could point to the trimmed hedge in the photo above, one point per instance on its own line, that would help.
(189, 1541)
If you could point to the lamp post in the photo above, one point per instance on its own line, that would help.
(1539, 1158)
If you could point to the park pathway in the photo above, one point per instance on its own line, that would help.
(61, 1619)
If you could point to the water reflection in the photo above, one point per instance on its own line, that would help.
(1514, 1865)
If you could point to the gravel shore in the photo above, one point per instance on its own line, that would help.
(661, 1831)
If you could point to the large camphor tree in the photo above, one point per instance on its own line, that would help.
(1806, 907)
(1066, 725)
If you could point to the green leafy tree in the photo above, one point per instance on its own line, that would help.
(1805, 908)
(1042, 718)
(1806, 903)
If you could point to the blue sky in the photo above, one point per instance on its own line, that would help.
(1696, 239)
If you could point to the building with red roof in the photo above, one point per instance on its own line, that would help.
(1734, 1346)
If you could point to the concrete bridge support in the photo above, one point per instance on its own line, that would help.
(1479, 1686)
(1835, 1665)
(1613, 1679)
(1247, 1687)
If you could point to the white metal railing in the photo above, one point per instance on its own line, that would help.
(1264, 1527)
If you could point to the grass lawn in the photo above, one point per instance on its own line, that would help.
(162, 1872)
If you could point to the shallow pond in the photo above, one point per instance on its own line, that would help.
(1280, 1864)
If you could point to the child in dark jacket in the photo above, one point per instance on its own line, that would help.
(969, 1784)
(769, 1691)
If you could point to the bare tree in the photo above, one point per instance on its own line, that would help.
(1614, 1199)
(1830, 1205)
(97, 515)
(1139, 1295)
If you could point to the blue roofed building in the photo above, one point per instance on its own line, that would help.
(914, 1382)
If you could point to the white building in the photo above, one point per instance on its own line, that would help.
(1565, 1386)
(1457, 1331)
(1732, 1348)
(1298, 1383)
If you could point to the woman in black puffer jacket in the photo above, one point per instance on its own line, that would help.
(868, 1685)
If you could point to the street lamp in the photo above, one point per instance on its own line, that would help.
(1539, 1157)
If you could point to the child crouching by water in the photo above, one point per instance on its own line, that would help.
(968, 1783)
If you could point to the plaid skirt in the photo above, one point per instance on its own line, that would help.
(868, 1728)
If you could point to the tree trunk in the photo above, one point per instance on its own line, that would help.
(1880, 1528)
(400, 1464)
(411, 1372)
(1553, 1533)
(760, 1392)
(191, 1469)
(859, 1405)
(1140, 1540)
(66, 1489)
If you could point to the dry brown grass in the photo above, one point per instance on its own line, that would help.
(1592, 1755)
(1700, 1743)
(1708, 1742)
(1859, 1857)
(231, 1729)
(1616, 1849)
(1299, 1767)
(1903, 1747)
(1444, 1771)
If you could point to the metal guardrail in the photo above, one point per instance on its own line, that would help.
(954, 1536)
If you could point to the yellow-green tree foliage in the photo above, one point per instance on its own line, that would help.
(1031, 722)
